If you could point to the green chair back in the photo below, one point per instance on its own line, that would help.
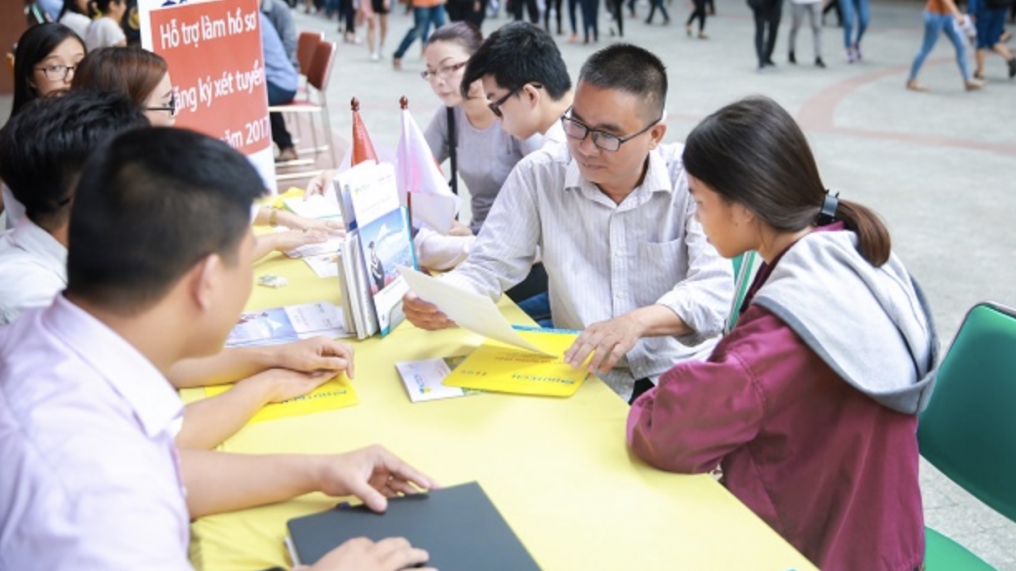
(968, 430)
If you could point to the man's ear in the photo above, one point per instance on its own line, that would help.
(656, 135)
(532, 95)
(204, 279)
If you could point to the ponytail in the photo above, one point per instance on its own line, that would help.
(872, 236)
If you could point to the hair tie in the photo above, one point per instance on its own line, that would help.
(827, 214)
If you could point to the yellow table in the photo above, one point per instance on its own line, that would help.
(557, 469)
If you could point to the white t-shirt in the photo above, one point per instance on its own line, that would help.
(103, 33)
(77, 22)
(14, 210)
(33, 270)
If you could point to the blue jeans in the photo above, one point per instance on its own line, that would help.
(538, 308)
(422, 17)
(933, 25)
(850, 8)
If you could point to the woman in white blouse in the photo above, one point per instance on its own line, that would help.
(105, 31)
(74, 15)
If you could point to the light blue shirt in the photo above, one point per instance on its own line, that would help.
(279, 71)
(52, 7)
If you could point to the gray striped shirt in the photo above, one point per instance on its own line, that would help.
(605, 259)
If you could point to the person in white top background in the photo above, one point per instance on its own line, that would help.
(74, 15)
(105, 31)
(44, 62)
(610, 212)
(91, 478)
(813, 9)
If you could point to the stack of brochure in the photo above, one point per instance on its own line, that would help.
(377, 240)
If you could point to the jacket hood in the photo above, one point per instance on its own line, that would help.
(870, 325)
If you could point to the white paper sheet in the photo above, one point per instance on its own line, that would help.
(469, 310)
(423, 379)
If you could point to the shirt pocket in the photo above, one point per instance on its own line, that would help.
(660, 266)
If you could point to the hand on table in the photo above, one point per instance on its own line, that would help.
(284, 384)
(362, 554)
(607, 341)
(423, 314)
(372, 474)
(292, 239)
(315, 354)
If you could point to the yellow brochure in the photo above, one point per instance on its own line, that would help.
(499, 367)
(336, 393)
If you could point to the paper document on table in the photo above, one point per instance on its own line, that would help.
(334, 394)
(325, 265)
(286, 324)
(423, 379)
(501, 368)
(469, 310)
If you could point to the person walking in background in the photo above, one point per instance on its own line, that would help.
(854, 10)
(833, 5)
(767, 14)
(555, 6)
(590, 20)
(652, 11)
(425, 12)
(989, 16)
(574, 37)
(347, 22)
(616, 9)
(472, 11)
(700, 13)
(519, 6)
(941, 16)
(377, 26)
(813, 8)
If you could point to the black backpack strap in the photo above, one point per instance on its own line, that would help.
(453, 143)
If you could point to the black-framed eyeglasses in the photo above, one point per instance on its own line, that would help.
(443, 71)
(57, 72)
(171, 107)
(495, 106)
(602, 139)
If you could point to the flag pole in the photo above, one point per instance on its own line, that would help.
(404, 105)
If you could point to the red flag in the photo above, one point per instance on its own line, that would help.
(363, 149)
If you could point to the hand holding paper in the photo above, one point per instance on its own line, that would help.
(423, 314)
(467, 309)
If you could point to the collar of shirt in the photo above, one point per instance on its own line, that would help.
(38, 243)
(156, 405)
(657, 179)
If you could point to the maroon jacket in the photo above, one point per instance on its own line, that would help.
(830, 469)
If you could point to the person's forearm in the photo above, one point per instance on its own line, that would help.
(659, 320)
(227, 366)
(266, 244)
(219, 482)
(208, 422)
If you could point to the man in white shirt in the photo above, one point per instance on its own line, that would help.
(611, 214)
(158, 270)
(42, 150)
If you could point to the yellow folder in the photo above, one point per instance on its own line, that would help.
(336, 393)
(495, 366)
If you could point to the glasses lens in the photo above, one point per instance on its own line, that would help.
(574, 129)
(606, 142)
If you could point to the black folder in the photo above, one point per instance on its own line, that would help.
(458, 526)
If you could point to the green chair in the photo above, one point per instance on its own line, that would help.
(745, 266)
(968, 430)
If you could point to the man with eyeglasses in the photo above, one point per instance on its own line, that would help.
(526, 82)
(611, 215)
